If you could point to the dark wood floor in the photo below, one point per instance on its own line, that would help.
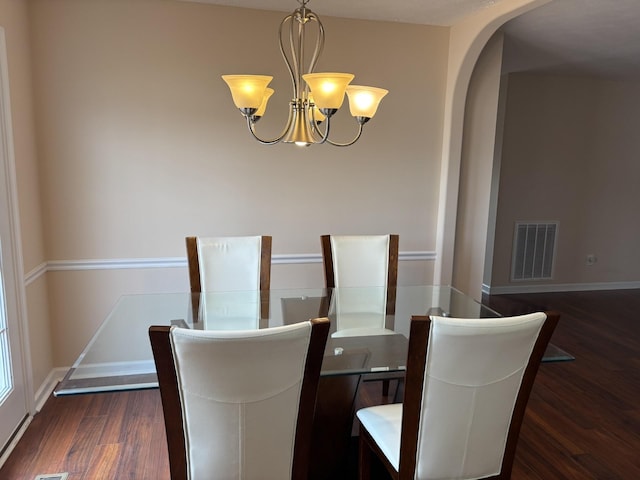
(582, 422)
(583, 417)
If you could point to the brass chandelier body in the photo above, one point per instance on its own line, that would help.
(315, 100)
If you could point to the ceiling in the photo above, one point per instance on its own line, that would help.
(588, 37)
(427, 12)
(593, 37)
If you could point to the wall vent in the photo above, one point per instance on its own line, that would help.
(534, 246)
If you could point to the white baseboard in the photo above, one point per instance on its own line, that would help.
(47, 387)
(561, 287)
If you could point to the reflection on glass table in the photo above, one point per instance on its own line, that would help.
(230, 311)
(360, 312)
(119, 357)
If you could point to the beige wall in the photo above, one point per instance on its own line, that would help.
(476, 170)
(467, 40)
(14, 19)
(140, 145)
(570, 153)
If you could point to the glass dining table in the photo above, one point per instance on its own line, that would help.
(364, 338)
(368, 340)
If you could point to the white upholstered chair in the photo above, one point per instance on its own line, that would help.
(230, 264)
(466, 389)
(363, 269)
(239, 405)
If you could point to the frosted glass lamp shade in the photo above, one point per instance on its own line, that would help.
(263, 106)
(328, 88)
(364, 101)
(248, 91)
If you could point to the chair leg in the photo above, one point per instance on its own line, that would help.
(364, 459)
(399, 393)
(370, 466)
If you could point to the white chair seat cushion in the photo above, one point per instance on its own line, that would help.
(356, 324)
(362, 332)
(384, 424)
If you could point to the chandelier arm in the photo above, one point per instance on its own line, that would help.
(293, 74)
(295, 62)
(316, 131)
(297, 53)
(348, 144)
(251, 127)
(319, 41)
(325, 136)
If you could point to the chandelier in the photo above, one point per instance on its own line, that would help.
(315, 101)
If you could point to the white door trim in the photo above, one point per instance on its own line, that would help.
(14, 243)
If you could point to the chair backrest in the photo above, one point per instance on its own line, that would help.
(467, 385)
(239, 405)
(229, 263)
(362, 261)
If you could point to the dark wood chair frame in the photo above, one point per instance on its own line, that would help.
(172, 406)
(265, 274)
(416, 361)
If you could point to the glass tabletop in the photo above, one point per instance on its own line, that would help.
(368, 333)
